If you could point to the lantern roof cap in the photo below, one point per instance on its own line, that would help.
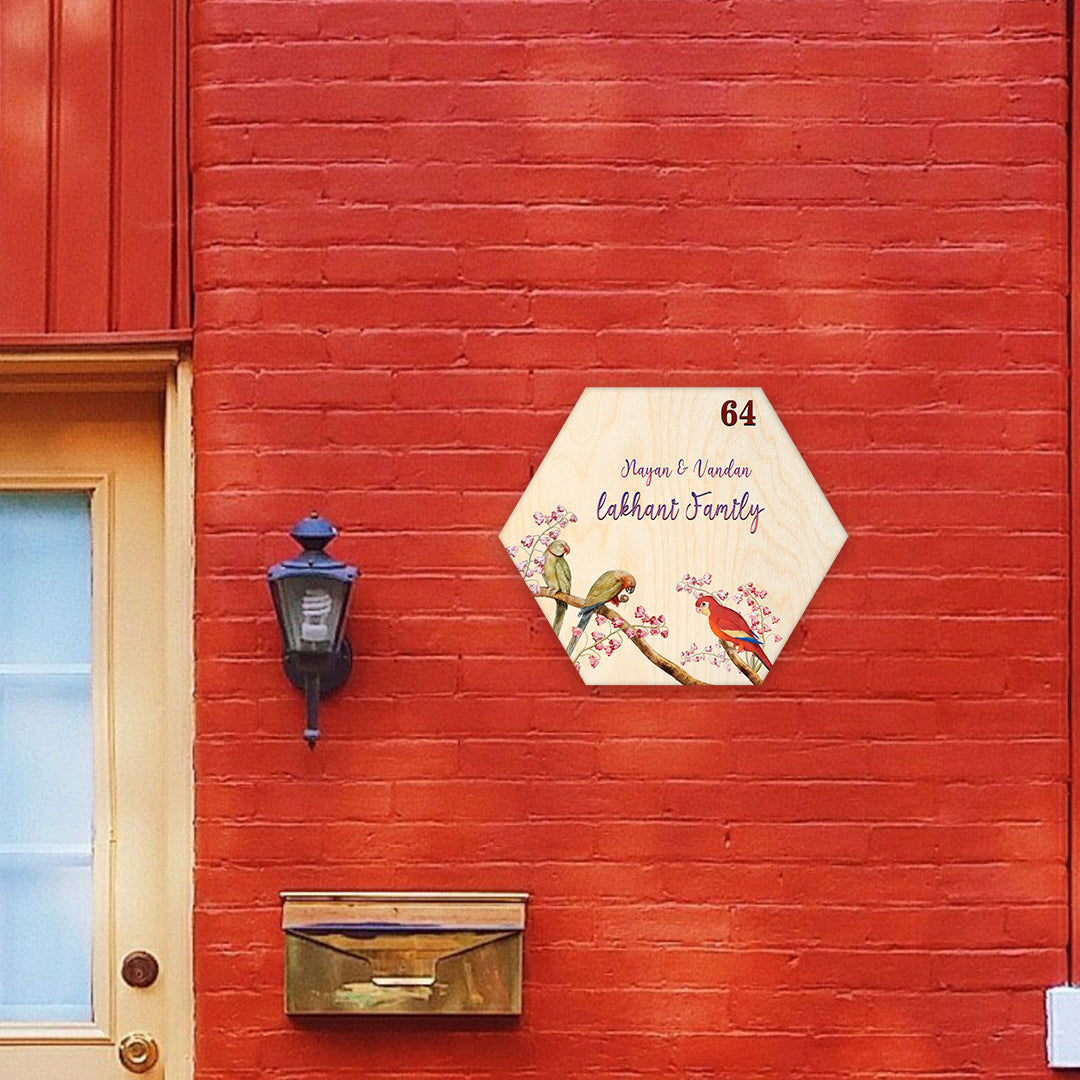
(314, 532)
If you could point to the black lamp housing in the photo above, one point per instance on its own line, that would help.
(311, 597)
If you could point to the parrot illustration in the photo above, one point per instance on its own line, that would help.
(606, 589)
(557, 576)
(728, 625)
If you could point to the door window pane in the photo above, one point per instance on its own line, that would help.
(46, 757)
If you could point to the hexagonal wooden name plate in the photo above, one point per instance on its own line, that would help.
(673, 535)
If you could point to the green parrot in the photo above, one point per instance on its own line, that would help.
(605, 589)
(557, 576)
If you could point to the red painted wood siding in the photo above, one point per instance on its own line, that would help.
(422, 226)
(89, 192)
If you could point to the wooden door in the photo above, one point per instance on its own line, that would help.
(83, 733)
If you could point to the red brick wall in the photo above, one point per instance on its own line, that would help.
(420, 229)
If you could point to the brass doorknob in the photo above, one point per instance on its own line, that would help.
(138, 1052)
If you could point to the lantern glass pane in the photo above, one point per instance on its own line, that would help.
(311, 610)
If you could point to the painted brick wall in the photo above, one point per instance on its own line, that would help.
(421, 227)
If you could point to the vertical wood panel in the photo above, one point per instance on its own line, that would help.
(24, 163)
(90, 167)
(182, 295)
(81, 218)
(144, 234)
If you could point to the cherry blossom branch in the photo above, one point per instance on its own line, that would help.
(695, 653)
(550, 525)
(662, 662)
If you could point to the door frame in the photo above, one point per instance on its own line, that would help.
(165, 367)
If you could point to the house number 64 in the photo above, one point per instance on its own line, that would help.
(730, 414)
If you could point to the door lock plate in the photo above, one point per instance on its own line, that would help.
(140, 969)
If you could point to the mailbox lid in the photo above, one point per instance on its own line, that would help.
(431, 911)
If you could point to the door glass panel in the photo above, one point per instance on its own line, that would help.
(46, 757)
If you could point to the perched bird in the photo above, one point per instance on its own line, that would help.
(557, 576)
(728, 625)
(606, 589)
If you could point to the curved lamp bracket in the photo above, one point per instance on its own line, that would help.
(317, 678)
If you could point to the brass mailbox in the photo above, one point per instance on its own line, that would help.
(381, 952)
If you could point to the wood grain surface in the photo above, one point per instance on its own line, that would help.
(759, 519)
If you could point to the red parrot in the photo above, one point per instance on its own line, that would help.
(728, 625)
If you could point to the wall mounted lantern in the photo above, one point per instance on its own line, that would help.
(311, 597)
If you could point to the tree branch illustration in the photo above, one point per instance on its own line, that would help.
(662, 662)
(742, 665)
